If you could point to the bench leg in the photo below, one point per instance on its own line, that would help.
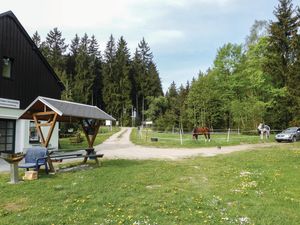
(97, 161)
(46, 168)
(85, 159)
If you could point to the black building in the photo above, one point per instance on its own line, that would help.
(24, 75)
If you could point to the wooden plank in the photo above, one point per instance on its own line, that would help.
(96, 129)
(45, 142)
(40, 133)
(53, 122)
(45, 113)
(86, 135)
(45, 124)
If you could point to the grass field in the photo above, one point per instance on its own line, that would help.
(254, 187)
(104, 133)
(166, 140)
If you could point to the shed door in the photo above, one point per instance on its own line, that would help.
(7, 135)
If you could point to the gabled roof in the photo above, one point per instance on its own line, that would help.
(67, 111)
(36, 49)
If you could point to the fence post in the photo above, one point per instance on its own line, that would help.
(140, 130)
(180, 134)
(228, 134)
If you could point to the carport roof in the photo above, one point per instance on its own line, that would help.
(66, 111)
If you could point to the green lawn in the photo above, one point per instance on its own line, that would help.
(104, 133)
(254, 187)
(166, 140)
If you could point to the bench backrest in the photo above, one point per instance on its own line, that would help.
(34, 153)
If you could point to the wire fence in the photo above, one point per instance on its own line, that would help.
(180, 135)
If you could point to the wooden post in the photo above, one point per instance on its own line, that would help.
(228, 134)
(50, 123)
(95, 128)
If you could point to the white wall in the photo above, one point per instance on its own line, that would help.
(22, 130)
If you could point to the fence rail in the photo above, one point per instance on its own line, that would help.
(221, 134)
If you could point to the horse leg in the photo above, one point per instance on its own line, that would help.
(195, 137)
(208, 134)
(205, 137)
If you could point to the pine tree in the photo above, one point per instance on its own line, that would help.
(123, 82)
(36, 38)
(57, 47)
(95, 54)
(281, 52)
(109, 91)
(84, 74)
(294, 79)
(134, 76)
(145, 78)
(281, 57)
(154, 87)
(171, 117)
(70, 59)
(75, 44)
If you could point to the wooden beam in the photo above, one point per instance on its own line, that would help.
(96, 129)
(40, 133)
(45, 124)
(86, 135)
(45, 113)
(51, 123)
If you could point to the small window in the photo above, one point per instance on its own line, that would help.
(7, 135)
(33, 134)
(6, 67)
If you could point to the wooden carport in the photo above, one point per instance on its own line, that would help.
(47, 111)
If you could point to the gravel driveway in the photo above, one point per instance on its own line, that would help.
(118, 146)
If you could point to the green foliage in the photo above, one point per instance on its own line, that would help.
(123, 82)
(84, 73)
(281, 57)
(65, 144)
(56, 46)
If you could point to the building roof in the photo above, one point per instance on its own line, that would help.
(26, 35)
(67, 111)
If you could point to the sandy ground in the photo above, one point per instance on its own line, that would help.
(118, 146)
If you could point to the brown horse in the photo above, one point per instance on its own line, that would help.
(201, 130)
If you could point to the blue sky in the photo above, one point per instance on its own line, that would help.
(184, 35)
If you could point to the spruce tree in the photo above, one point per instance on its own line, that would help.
(70, 59)
(281, 57)
(84, 74)
(109, 91)
(36, 38)
(123, 82)
(294, 79)
(95, 54)
(57, 47)
(135, 73)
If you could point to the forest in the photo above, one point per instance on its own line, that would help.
(248, 83)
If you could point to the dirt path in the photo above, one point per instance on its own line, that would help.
(118, 146)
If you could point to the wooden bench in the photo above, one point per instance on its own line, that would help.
(60, 158)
